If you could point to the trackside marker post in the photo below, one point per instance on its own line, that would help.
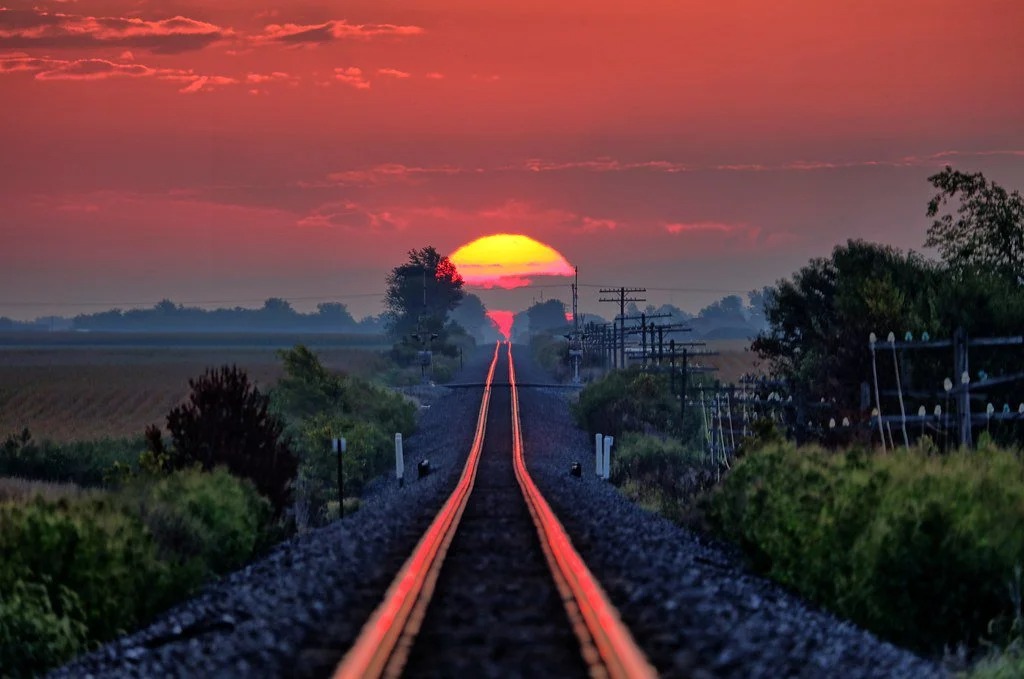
(598, 455)
(399, 460)
(606, 465)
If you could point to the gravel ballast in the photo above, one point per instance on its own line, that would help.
(691, 605)
(295, 612)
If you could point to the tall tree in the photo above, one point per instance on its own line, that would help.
(987, 231)
(420, 294)
(820, 320)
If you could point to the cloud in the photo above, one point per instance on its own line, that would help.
(394, 73)
(103, 69)
(350, 215)
(23, 29)
(352, 76)
(331, 31)
(434, 75)
(601, 164)
(713, 235)
(701, 227)
(391, 173)
(93, 69)
(206, 83)
(267, 77)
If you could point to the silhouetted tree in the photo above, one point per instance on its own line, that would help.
(226, 422)
(987, 232)
(408, 310)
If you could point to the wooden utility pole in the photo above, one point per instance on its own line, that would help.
(622, 293)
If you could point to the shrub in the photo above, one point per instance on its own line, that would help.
(92, 548)
(319, 407)
(33, 636)
(86, 463)
(227, 422)
(202, 523)
(83, 571)
(660, 473)
(628, 400)
(915, 548)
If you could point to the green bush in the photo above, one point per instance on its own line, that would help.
(659, 473)
(227, 421)
(916, 548)
(202, 523)
(627, 400)
(86, 463)
(93, 548)
(318, 407)
(33, 635)
(83, 571)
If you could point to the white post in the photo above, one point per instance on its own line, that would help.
(399, 460)
(606, 466)
(598, 455)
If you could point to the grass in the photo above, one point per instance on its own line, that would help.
(83, 393)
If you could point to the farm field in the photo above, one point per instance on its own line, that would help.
(734, 359)
(81, 392)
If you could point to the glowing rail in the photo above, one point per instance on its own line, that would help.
(383, 645)
(605, 642)
(384, 642)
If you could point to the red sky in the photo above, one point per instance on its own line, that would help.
(232, 151)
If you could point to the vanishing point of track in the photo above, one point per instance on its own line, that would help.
(495, 581)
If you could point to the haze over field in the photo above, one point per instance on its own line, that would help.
(229, 152)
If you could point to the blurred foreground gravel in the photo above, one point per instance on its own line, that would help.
(692, 607)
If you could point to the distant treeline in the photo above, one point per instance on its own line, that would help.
(276, 315)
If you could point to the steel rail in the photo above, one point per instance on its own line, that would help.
(607, 645)
(384, 642)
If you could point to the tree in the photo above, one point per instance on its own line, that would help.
(226, 421)
(987, 231)
(420, 293)
(548, 315)
(820, 320)
(471, 314)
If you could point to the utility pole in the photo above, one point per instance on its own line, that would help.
(575, 339)
(622, 299)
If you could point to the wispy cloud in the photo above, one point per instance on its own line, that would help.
(352, 76)
(391, 173)
(330, 31)
(37, 28)
(601, 164)
(103, 69)
(393, 72)
(702, 227)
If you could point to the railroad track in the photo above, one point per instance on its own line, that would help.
(494, 586)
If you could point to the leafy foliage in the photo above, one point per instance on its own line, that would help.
(820, 321)
(987, 232)
(628, 400)
(318, 407)
(227, 422)
(915, 548)
(79, 572)
(420, 293)
(86, 463)
(661, 473)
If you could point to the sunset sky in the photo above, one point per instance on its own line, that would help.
(220, 153)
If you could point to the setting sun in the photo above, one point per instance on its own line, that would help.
(508, 260)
